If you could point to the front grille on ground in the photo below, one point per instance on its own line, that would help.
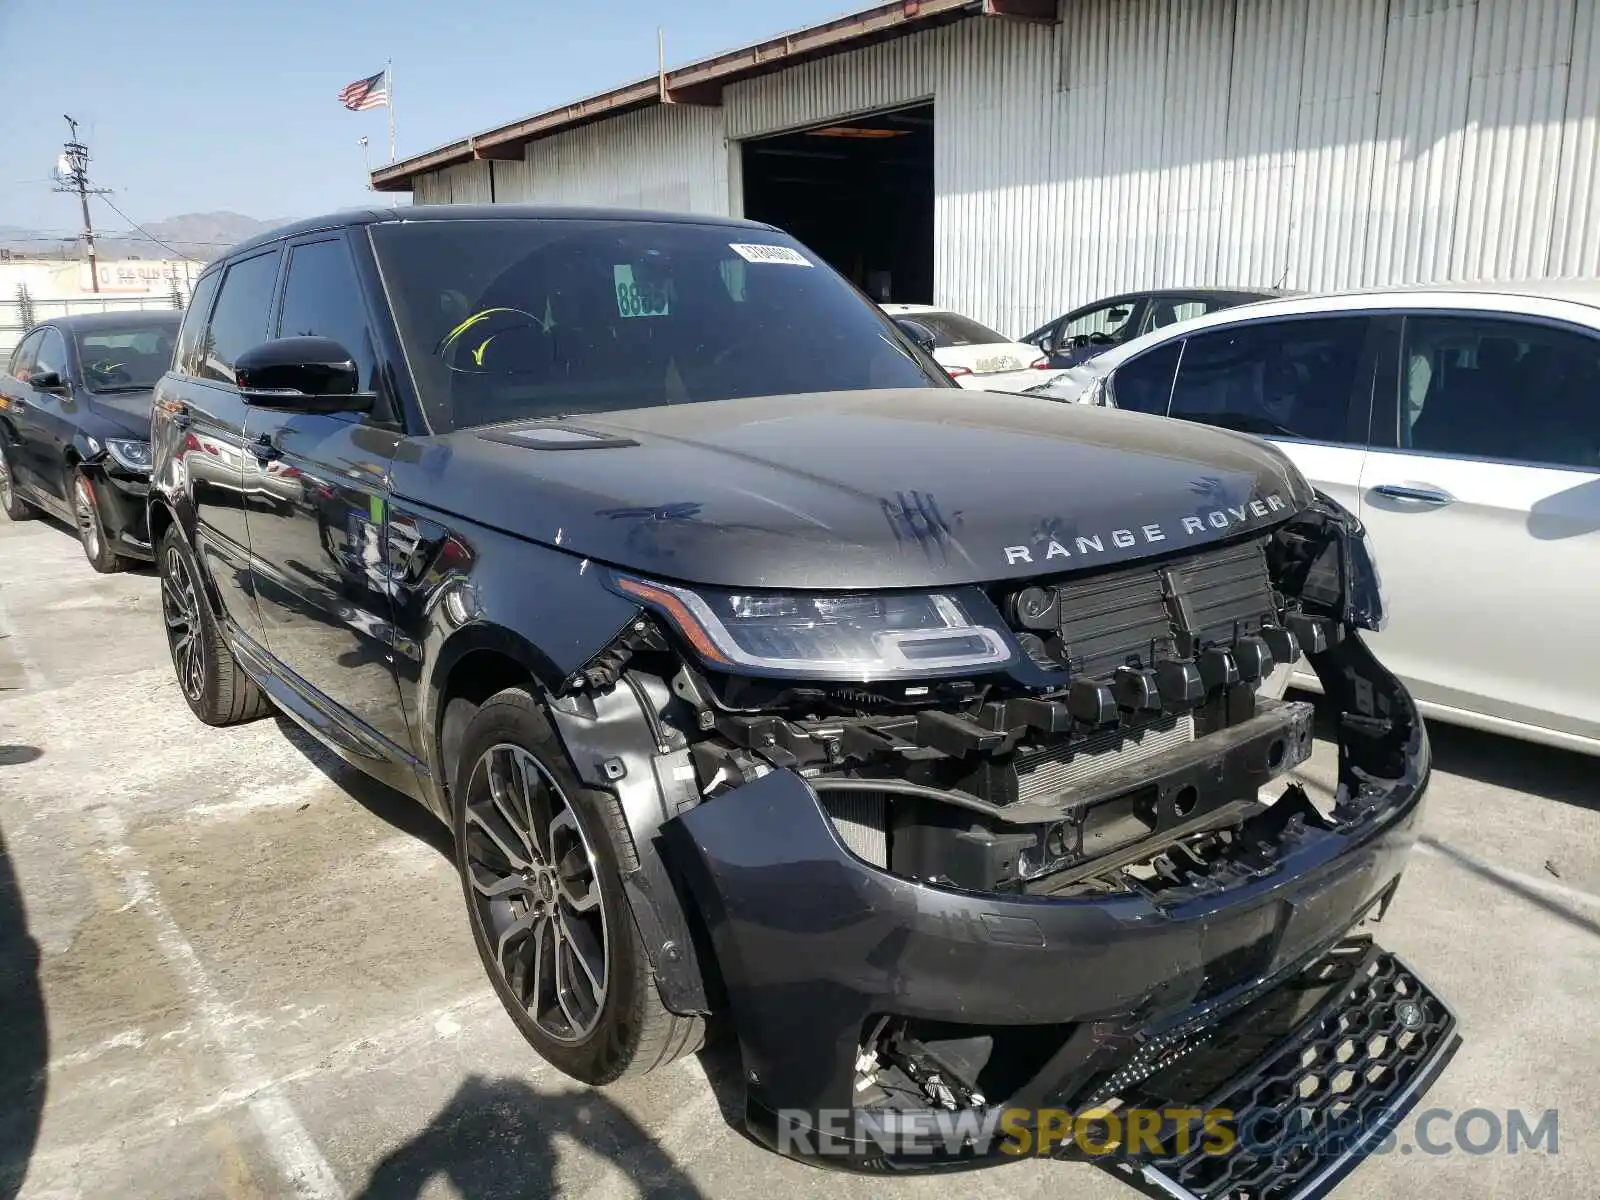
(1332, 1059)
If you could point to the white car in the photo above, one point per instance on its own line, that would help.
(1462, 425)
(974, 355)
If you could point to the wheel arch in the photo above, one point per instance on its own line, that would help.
(159, 517)
(473, 663)
(609, 738)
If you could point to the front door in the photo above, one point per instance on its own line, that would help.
(16, 413)
(41, 424)
(1482, 496)
(209, 416)
(317, 513)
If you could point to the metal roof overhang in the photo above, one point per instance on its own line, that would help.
(702, 82)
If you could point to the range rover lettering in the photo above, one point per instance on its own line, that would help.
(934, 740)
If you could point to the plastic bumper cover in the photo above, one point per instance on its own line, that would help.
(120, 498)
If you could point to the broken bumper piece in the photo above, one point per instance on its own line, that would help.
(866, 1001)
(1342, 1051)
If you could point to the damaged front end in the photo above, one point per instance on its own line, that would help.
(1051, 880)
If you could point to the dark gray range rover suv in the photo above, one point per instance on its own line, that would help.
(924, 735)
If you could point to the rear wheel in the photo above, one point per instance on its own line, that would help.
(13, 505)
(217, 691)
(91, 529)
(541, 859)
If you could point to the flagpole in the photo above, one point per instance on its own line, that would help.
(388, 77)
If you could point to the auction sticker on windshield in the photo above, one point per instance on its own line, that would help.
(635, 299)
(770, 254)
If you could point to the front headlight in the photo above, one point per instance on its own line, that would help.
(129, 453)
(859, 637)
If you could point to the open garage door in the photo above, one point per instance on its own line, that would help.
(857, 191)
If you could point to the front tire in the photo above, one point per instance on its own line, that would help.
(216, 690)
(541, 859)
(91, 529)
(13, 505)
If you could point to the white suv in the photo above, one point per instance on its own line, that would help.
(1462, 425)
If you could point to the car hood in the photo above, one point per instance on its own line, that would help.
(897, 488)
(127, 412)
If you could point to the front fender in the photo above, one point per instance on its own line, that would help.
(626, 741)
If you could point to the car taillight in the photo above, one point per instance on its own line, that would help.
(1042, 363)
(954, 371)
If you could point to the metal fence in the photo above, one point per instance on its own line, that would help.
(21, 312)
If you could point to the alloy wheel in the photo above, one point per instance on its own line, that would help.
(536, 887)
(88, 520)
(5, 481)
(180, 607)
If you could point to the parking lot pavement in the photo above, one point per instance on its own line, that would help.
(254, 976)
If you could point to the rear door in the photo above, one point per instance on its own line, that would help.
(1482, 495)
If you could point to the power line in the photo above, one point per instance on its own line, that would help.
(146, 233)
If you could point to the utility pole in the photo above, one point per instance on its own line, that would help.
(76, 179)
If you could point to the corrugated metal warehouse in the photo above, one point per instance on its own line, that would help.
(1015, 158)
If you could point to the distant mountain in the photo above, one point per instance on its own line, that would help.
(205, 235)
(194, 235)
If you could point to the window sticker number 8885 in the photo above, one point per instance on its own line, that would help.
(635, 299)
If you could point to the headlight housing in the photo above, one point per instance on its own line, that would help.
(129, 453)
(859, 637)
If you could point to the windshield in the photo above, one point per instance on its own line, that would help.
(513, 319)
(952, 329)
(126, 358)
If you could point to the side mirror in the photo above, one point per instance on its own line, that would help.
(917, 332)
(301, 374)
(47, 381)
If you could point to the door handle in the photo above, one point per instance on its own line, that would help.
(263, 448)
(1417, 495)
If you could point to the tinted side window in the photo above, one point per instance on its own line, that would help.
(1288, 378)
(1144, 384)
(1169, 312)
(1496, 388)
(240, 319)
(323, 298)
(187, 359)
(51, 355)
(22, 356)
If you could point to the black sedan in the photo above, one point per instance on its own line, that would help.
(1084, 332)
(75, 427)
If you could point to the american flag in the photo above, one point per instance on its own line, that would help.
(371, 92)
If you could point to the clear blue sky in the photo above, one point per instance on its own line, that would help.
(203, 105)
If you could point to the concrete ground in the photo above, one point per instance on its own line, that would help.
(254, 977)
